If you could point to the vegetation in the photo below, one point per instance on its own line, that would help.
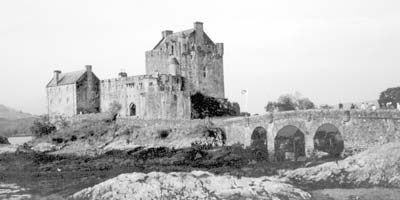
(288, 102)
(204, 106)
(16, 127)
(42, 126)
(389, 98)
(114, 109)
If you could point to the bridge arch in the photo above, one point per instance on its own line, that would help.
(259, 143)
(289, 143)
(328, 139)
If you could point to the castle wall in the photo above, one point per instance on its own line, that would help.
(61, 100)
(154, 96)
(87, 93)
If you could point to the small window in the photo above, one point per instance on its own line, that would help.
(151, 84)
(204, 72)
(67, 100)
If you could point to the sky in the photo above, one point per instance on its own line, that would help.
(329, 51)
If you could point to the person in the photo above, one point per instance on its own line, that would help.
(353, 106)
(340, 106)
(363, 106)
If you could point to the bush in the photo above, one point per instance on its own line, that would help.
(42, 126)
(4, 140)
(390, 97)
(204, 106)
(114, 109)
(288, 102)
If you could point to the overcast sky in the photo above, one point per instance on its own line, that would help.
(329, 51)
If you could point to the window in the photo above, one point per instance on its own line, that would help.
(204, 72)
(172, 50)
(151, 84)
(67, 99)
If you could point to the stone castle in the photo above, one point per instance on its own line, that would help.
(180, 65)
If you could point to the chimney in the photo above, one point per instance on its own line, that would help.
(88, 68)
(57, 76)
(166, 33)
(198, 27)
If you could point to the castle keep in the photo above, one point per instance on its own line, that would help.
(181, 64)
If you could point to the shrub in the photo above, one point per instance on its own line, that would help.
(114, 109)
(205, 106)
(42, 126)
(390, 96)
(288, 102)
(4, 140)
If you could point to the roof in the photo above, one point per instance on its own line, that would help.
(175, 35)
(67, 78)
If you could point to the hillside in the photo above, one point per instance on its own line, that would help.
(11, 114)
(14, 122)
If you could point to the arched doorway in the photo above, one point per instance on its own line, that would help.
(259, 143)
(132, 109)
(289, 144)
(328, 139)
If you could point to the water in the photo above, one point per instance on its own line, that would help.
(20, 140)
(13, 191)
(376, 193)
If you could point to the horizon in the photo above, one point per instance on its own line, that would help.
(330, 52)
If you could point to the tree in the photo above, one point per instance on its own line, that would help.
(305, 104)
(390, 95)
(205, 106)
(42, 126)
(288, 102)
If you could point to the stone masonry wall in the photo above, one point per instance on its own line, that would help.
(200, 61)
(359, 129)
(154, 96)
(61, 100)
(87, 93)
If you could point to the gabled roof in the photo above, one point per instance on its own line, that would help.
(67, 78)
(175, 35)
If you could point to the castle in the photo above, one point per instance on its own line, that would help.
(180, 65)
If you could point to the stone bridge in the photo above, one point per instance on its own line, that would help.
(300, 132)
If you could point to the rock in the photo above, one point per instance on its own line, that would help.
(4, 140)
(8, 148)
(193, 185)
(44, 147)
(377, 166)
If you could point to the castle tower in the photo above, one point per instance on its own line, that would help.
(193, 55)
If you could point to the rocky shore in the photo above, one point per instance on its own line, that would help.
(193, 185)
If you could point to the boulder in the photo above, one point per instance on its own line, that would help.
(377, 166)
(193, 185)
(44, 147)
(7, 148)
(4, 140)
